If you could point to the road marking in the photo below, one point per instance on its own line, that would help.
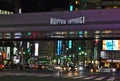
(89, 77)
(111, 79)
(100, 78)
(77, 77)
(43, 75)
(66, 76)
(19, 74)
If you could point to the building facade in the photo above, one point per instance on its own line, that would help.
(74, 36)
(94, 4)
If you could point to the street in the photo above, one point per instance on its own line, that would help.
(70, 76)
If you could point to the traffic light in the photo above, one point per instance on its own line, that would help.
(80, 33)
(29, 33)
(79, 48)
(28, 50)
(70, 44)
(96, 42)
(71, 7)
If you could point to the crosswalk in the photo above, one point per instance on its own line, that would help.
(85, 77)
(77, 77)
(93, 78)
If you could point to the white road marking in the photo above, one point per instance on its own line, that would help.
(111, 79)
(77, 77)
(100, 78)
(89, 77)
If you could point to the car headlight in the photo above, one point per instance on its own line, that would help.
(75, 68)
(80, 68)
(113, 69)
(64, 68)
(69, 68)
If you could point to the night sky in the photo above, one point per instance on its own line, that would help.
(44, 5)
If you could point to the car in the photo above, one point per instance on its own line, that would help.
(2, 66)
(72, 68)
(27, 66)
(81, 68)
(56, 67)
(107, 69)
(32, 66)
(42, 66)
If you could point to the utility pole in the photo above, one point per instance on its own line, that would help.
(18, 7)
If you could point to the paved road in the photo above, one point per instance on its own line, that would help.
(71, 76)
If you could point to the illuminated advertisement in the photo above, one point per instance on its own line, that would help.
(36, 49)
(59, 47)
(111, 45)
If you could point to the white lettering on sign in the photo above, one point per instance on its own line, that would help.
(79, 20)
(55, 21)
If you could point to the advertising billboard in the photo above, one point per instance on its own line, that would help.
(110, 44)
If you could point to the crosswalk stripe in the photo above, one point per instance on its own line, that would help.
(100, 78)
(111, 79)
(89, 77)
(78, 77)
(66, 77)
(18, 74)
(42, 75)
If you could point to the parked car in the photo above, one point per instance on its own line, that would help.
(40, 65)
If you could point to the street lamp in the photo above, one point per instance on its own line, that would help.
(18, 7)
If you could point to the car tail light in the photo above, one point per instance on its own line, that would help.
(3, 66)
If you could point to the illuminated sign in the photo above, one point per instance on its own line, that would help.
(59, 47)
(79, 20)
(17, 35)
(36, 49)
(111, 45)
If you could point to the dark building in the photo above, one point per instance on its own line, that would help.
(107, 4)
(28, 6)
